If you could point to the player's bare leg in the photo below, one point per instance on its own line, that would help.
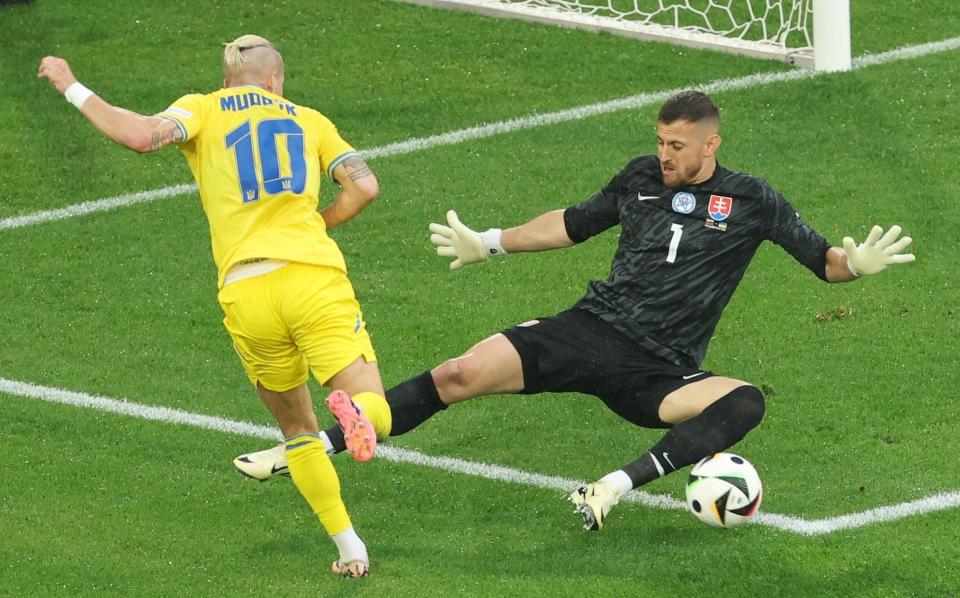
(359, 405)
(314, 475)
(707, 416)
(358, 377)
(363, 386)
(690, 400)
(491, 366)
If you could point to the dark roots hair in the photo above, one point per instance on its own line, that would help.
(690, 105)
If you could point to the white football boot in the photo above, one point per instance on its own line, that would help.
(263, 465)
(351, 569)
(594, 502)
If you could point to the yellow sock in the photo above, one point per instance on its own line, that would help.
(377, 411)
(317, 481)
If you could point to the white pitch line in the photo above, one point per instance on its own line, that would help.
(794, 524)
(516, 476)
(936, 502)
(99, 205)
(816, 527)
(507, 126)
(148, 412)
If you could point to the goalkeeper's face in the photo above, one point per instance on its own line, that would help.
(687, 151)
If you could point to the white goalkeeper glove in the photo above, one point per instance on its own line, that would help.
(876, 253)
(468, 246)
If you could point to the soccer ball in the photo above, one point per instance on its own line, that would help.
(724, 490)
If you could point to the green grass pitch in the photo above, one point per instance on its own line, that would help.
(861, 378)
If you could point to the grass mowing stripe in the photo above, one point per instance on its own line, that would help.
(646, 99)
(936, 502)
(507, 126)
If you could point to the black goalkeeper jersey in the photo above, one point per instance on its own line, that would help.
(682, 252)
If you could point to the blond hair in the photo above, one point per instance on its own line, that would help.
(250, 57)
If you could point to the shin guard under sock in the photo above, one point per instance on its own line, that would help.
(718, 427)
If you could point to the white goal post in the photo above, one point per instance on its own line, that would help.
(807, 33)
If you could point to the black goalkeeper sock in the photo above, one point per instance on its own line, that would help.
(411, 403)
(335, 434)
(718, 427)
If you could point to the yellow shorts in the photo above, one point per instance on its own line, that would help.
(297, 318)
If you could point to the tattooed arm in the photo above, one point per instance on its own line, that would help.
(358, 187)
(131, 130)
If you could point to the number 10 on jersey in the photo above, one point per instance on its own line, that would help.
(242, 140)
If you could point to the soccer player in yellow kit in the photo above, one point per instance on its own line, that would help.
(288, 305)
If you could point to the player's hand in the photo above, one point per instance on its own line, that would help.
(57, 71)
(877, 252)
(457, 241)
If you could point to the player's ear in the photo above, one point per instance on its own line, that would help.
(711, 145)
(275, 82)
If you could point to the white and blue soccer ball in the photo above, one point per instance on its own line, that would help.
(724, 490)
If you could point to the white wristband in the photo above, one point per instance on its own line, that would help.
(491, 242)
(77, 94)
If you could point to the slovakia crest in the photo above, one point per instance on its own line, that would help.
(720, 207)
(684, 203)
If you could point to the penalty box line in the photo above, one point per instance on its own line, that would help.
(798, 525)
(507, 126)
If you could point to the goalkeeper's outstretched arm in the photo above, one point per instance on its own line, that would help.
(878, 251)
(546, 231)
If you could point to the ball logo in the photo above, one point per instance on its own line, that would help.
(684, 203)
(724, 490)
(720, 207)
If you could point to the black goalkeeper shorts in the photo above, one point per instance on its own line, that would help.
(576, 351)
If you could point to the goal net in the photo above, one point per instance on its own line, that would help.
(776, 29)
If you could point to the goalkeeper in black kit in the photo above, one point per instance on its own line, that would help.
(689, 228)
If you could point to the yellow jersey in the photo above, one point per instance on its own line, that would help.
(257, 159)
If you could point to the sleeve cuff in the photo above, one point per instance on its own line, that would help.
(183, 129)
(336, 162)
